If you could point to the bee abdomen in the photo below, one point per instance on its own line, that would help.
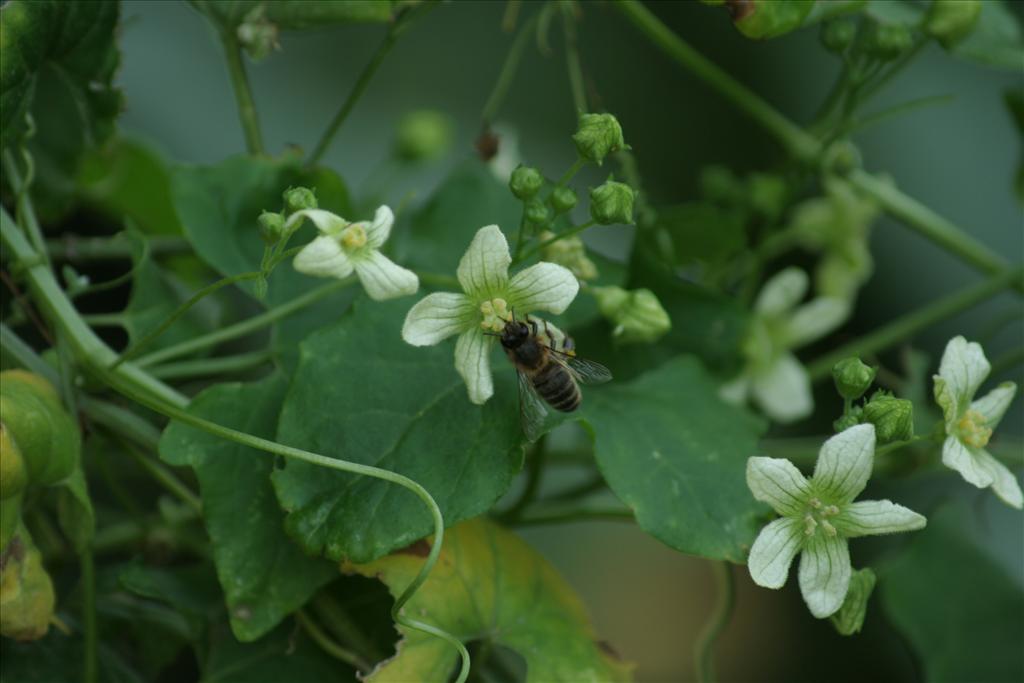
(557, 387)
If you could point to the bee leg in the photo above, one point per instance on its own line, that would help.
(533, 325)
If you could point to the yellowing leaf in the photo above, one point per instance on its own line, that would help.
(489, 584)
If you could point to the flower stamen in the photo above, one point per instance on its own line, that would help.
(353, 237)
(973, 429)
(496, 314)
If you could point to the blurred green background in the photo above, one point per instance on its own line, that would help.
(958, 158)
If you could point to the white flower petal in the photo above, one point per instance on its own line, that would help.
(437, 316)
(542, 287)
(483, 270)
(964, 367)
(779, 483)
(377, 231)
(382, 278)
(783, 392)
(947, 400)
(844, 464)
(782, 292)
(994, 404)
(871, 517)
(825, 573)
(323, 257)
(814, 320)
(473, 363)
(325, 221)
(773, 551)
(1004, 483)
(957, 456)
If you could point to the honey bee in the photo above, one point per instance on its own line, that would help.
(546, 372)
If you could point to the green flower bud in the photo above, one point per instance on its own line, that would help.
(46, 434)
(850, 419)
(596, 136)
(271, 226)
(537, 212)
(840, 157)
(893, 417)
(26, 592)
(13, 471)
(889, 41)
(766, 194)
(850, 617)
(852, 377)
(637, 315)
(525, 182)
(257, 35)
(423, 135)
(950, 21)
(571, 253)
(563, 199)
(768, 18)
(612, 203)
(299, 198)
(837, 35)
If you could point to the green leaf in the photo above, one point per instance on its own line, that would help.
(703, 232)
(125, 177)
(962, 612)
(466, 201)
(996, 39)
(362, 394)
(264, 575)
(489, 584)
(285, 654)
(677, 455)
(57, 62)
(74, 510)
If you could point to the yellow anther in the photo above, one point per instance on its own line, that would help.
(810, 524)
(353, 237)
(495, 314)
(829, 529)
(815, 503)
(973, 430)
(830, 511)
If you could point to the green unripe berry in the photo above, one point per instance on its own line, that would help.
(852, 378)
(525, 182)
(423, 135)
(46, 434)
(299, 198)
(837, 35)
(612, 203)
(563, 199)
(893, 417)
(537, 212)
(596, 136)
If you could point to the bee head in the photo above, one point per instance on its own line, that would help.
(514, 334)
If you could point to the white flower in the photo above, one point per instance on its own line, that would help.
(969, 422)
(343, 247)
(778, 381)
(818, 515)
(490, 298)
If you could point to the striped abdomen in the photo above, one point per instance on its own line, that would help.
(556, 385)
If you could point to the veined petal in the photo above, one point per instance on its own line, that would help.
(782, 292)
(779, 483)
(994, 404)
(773, 551)
(964, 367)
(1004, 483)
(325, 221)
(542, 287)
(323, 257)
(437, 316)
(473, 363)
(964, 460)
(783, 392)
(825, 573)
(844, 464)
(483, 270)
(871, 517)
(947, 400)
(814, 320)
(382, 278)
(378, 230)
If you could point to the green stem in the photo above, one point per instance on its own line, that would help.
(533, 479)
(573, 170)
(930, 224)
(90, 669)
(401, 23)
(244, 327)
(342, 626)
(537, 248)
(704, 656)
(204, 367)
(243, 91)
(104, 319)
(896, 445)
(25, 211)
(895, 110)
(800, 144)
(572, 61)
(508, 69)
(181, 310)
(328, 645)
(84, 249)
(913, 322)
(576, 515)
(164, 477)
(121, 421)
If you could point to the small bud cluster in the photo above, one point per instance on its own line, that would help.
(893, 418)
(637, 315)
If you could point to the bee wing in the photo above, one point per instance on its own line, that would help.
(531, 409)
(585, 371)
